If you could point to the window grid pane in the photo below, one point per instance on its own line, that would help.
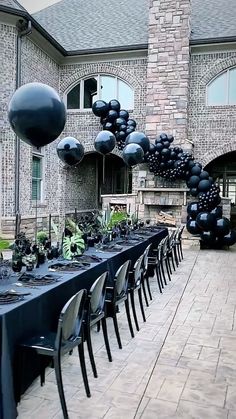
(217, 91)
(108, 88)
(36, 178)
(126, 95)
(232, 87)
(73, 98)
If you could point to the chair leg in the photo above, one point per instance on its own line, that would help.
(168, 259)
(133, 309)
(116, 328)
(148, 288)
(167, 269)
(57, 365)
(181, 250)
(158, 280)
(141, 303)
(163, 272)
(90, 351)
(104, 329)
(172, 260)
(144, 292)
(160, 275)
(179, 255)
(42, 371)
(129, 318)
(83, 368)
(176, 257)
(98, 326)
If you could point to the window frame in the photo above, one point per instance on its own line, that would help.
(227, 72)
(38, 153)
(98, 77)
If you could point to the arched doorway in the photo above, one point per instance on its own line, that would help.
(92, 178)
(223, 170)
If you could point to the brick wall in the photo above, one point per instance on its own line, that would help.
(211, 128)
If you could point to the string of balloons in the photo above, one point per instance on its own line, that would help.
(37, 115)
(205, 217)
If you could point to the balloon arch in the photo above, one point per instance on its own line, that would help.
(37, 115)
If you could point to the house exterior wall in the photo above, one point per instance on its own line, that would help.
(211, 128)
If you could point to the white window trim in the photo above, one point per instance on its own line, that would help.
(227, 72)
(39, 154)
(98, 76)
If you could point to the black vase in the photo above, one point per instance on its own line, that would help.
(90, 241)
(17, 265)
(41, 258)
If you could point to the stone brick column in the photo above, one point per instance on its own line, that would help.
(168, 68)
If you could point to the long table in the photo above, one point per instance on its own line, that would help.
(39, 312)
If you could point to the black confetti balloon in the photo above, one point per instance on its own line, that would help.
(70, 151)
(37, 114)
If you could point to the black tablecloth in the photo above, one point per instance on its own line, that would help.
(39, 312)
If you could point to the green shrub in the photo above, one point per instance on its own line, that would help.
(4, 244)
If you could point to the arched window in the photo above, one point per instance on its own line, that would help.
(85, 93)
(222, 90)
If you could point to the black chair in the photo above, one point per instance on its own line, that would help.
(94, 314)
(170, 248)
(135, 283)
(145, 279)
(69, 335)
(165, 258)
(178, 242)
(117, 294)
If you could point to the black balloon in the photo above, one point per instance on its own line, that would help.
(130, 129)
(204, 185)
(70, 151)
(194, 191)
(124, 114)
(204, 175)
(100, 108)
(206, 221)
(208, 237)
(112, 115)
(192, 227)
(193, 181)
(114, 104)
(37, 114)
(193, 210)
(230, 239)
(108, 126)
(105, 142)
(222, 226)
(133, 154)
(132, 122)
(139, 138)
(119, 122)
(217, 211)
(196, 170)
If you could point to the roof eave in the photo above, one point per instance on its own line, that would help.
(137, 47)
(37, 26)
(205, 41)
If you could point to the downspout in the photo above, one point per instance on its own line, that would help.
(24, 28)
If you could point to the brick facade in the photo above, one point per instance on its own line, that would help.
(211, 128)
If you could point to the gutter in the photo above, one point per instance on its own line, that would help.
(205, 41)
(63, 51)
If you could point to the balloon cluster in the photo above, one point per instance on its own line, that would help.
(115, 120)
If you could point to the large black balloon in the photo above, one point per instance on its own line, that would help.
(206, 221)
(192, 227)
(196, 170)
(139, 138)
(193, 210)
(105, 142)
(100, 108)
(204, 185)
(70, 151)
(230, 239)
(133, 154)
(204, 175)
(37, 114)
(114, 104)
(222, 226)
(217, 211)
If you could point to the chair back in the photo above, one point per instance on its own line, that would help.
(138, 269)
(121, 278)
(165, 246)
(97, 294)
(71, 319)
(145, 256)
(160, 249)
(180, 231)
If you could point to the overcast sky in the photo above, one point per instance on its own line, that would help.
(35, 5)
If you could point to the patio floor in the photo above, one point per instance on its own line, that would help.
(181, 364)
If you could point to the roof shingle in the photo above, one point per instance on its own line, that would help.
(12, 4)
(94, 24)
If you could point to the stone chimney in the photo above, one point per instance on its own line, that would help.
(168, 69)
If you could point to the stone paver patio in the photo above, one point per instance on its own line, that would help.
(182, 363)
